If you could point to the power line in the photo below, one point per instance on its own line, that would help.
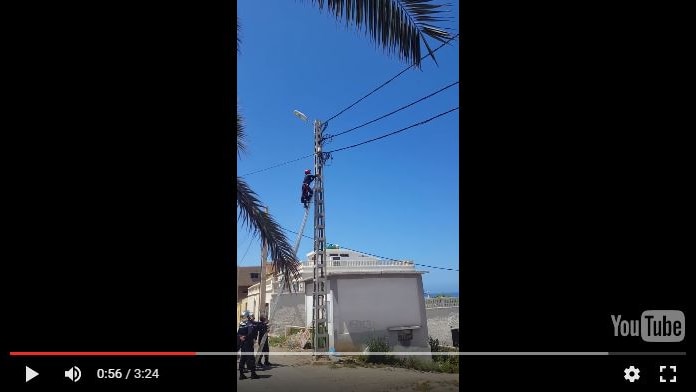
(251, 240)
(388, 81)
(387, 258)
(355, 145)
(393, 133)
(395, 111)
(280, 164)
(381, 257)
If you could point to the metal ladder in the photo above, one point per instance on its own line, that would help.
(273, 306)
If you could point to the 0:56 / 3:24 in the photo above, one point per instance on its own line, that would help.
(130, 373)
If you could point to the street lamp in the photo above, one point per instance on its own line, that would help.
(300, 115)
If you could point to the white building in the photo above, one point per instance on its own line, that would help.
(367, 298)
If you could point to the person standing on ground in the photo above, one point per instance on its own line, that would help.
(246, 333)
(263, 330)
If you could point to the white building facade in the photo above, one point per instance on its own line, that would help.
(370, 298)
(367, 298)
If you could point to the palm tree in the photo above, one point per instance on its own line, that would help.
(398, 26)
(252, 213)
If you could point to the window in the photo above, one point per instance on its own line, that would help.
(345, 255)
(254, 275)
(335, 258)
(333, 254)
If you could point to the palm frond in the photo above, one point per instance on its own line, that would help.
(252, 214)
(239, 37)
(398, 26)
(241, 145)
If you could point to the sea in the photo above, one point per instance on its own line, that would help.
(444, 294)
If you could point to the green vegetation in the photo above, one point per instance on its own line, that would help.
(277, 341)
(376, 345)
(290, 341)
(447, 363)
(439, 364)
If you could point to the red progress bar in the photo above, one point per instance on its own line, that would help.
(102, 353)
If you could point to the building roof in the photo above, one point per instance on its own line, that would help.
(349, 262)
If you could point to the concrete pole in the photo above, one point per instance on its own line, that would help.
(320, 317)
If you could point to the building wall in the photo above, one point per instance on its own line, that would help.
(242, 293)
(252, 303)
(440, 323)
(244, 280)
(366, 306)
(243, 305)
(288, 311)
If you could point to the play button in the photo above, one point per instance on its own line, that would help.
(30, 373)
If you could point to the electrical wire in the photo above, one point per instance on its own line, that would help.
(393, 112)
(278, 165)
(373, 255)
(388, 81)
(251, 240)
(393, 133)
(356, 102)
(355, 145)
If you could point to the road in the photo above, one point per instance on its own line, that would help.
(296, 373)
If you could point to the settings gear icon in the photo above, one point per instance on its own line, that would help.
(631, 374)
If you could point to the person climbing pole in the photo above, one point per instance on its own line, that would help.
(307, 191)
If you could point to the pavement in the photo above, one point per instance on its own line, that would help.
(297, 373)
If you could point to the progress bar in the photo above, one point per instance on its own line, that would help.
(103, 353)
(470, 353)
(347, 353)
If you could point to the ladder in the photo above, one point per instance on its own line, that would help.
(273, 306)
(299, 236)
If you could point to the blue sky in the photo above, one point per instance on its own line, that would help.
(397, 197)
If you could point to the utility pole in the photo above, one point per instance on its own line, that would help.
(262, 287)
(320, 342)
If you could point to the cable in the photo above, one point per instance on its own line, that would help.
(280, 164)
(393, 133)
(381, 257)
(247, 250)
(356, 102)
(355, 145)
(388, 81)
(395, 111)
(387, 258)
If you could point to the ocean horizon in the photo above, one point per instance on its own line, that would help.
(432, 294)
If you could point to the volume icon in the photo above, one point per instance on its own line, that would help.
(74, 374)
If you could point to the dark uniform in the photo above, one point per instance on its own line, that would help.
(262, 328)
(246, 334)
(307, 191)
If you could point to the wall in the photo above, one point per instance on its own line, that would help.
(243, 305)
(366, 306)
(440, 323)
(288, 311)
